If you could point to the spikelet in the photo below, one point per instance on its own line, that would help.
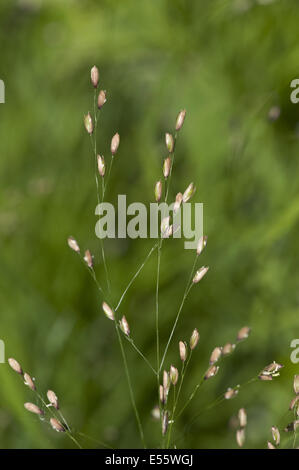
(114, 143)
(194, 339)
(101, 165)
(242, 415)
(94, 76)
(200, 273)
(216, 354)
(174, 375)
(124, 326)
(164, 422)
(231, 393)
(88, 123)
(228, 349)
(101, 99)
(169, 142)
(243, 333)
(34, 409)
(183, 351)
(178, 202)
(180, 120)
(189, 192)
(88, 259)
(15, 365)
(108, 311)
(158, 191)
(275, 435)
(296, 384)
(270, 445)
(166, 167)
(240, 437)
(211, 372)
(202, 242)
(72, 243)
(56, 425)
(28, 381)
(53, 399)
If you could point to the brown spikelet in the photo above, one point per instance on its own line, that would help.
(56, 424)
(53, 399)
(15, 365)
(34, 409)
(102, 99)
(240, 437)
(94, 76)
(243, 333)
(72, 243)
(115, 143)
(216, 354)
(29, 382)
(88, 258)
(194, 339)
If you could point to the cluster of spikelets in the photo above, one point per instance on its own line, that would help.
(32, 407)
(294, 425)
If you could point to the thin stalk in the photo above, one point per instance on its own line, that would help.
(131, 341)
(130, 385)
(135, 276)
(95, 440)
(184, 368)
(189, 286)
(97, 187)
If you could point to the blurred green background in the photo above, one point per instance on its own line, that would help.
(228, 62)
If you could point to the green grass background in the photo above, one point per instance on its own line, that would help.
(227, 62)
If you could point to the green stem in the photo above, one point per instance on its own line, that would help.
(130, 385)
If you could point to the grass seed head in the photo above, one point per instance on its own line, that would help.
(108, 311)
(34, 409)
(29, 382)
(228, 349)
(174, 375)
(15, 365)
(242, 415)
(72, 243)
(189, 192)
(56, 425)
(180, 120)
(183, 351)
(200, 273)
(202, 242)
(169, 140)
(166, 384)
(101, 165)
(231, 393)
(94, 76)
(178, 202)
(158, 191)
(166, 228)
(240, 437)
(88, 123)
(88, 258)
(124, 325)
(296, 384)
(115, 143)
(156, 413)
(211, 372)
(294, 403)
(194, 339)
(101, 99)
(165, 423)
(270, 445)
(216, 354)
(243, 333)
(53, 399)
(161, 394)
(166, 167)
(275, 435)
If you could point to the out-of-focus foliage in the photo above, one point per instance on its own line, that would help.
(227, 62)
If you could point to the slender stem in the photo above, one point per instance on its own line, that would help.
(130, 385)
(157, 334)
(68, 431)
(97, 187)
(108, 176)
(135, 276)
(131, 341)
(95, 440)
(189, 286)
